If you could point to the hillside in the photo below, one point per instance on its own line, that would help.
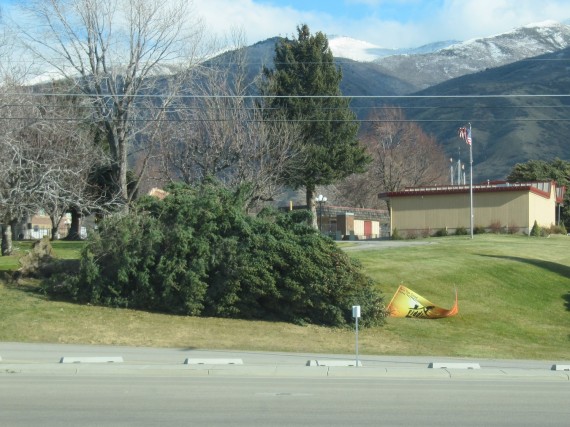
(518, 112)
(359, 78)
(425, 70)
(506, 130)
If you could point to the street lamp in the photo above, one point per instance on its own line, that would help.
(321, 200)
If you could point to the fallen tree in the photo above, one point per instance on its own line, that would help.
(197, 252)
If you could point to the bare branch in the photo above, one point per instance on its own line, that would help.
(403, 156)
(114, 51)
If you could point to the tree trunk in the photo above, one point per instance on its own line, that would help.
(310, 197)
(6, 239)
(75, 228)
(54, 228)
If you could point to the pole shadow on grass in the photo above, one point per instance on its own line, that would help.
(553, 267)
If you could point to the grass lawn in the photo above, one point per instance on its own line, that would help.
(514, 302)
(514, 296)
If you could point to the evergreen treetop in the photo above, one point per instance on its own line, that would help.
(305, 87)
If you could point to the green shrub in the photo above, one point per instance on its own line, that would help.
(396, 235)
(442, 232)
(495, 227)
(412, 235)
(512, 229)
(198, 253)
(461, 231)
(536, 230)
(558, 229)
(479, 230)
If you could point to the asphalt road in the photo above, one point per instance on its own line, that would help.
(154, 387)
(118, 400)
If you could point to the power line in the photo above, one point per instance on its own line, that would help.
(205, 63)
(197, 120)
(358, 107)
(224, 109)
(211, 96)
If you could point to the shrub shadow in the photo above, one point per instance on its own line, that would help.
(566, 299)
(553, 267)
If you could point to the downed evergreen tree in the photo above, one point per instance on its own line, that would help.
(198, 253)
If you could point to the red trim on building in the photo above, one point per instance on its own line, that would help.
(496, 186)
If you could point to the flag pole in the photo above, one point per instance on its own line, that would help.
(471, 179)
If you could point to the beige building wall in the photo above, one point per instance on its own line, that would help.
(360, 232)
(512, 209)
(504, 209)
(376, 228)
(421, 212)
(359, 227)
(543, 210)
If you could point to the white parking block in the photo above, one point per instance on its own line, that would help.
(92, 359)
(454, 365)
(333, 362)
(191, 361)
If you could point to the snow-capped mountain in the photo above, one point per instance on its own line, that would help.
(471, 56)
(437, 62)
(359, 50)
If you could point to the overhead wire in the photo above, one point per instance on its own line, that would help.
(359, 108)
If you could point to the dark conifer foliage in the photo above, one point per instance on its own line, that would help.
(198, 253)
(305, 86)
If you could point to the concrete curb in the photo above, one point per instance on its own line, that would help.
(184, 370)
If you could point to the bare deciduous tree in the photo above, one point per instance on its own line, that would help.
(65, 143)
(46, 160)
(19, 167)
(222, 133)
(403, 156)
(113, 50)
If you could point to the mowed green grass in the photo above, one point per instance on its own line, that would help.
(514, 295)
(514, 302)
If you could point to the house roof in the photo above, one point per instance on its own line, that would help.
(158, 193)
(359, 213)
(541, 188)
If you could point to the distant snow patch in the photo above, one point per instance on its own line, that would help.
(357, 50)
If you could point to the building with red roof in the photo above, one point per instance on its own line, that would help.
(511, 207)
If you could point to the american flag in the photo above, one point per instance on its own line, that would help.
(465, 134)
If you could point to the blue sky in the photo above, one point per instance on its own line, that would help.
(385, 23)
(356, 10)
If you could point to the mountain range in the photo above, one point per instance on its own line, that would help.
(437, 62)
(513, 88)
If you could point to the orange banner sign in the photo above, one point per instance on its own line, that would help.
(406, 303)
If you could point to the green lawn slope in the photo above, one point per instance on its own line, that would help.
(514, 302)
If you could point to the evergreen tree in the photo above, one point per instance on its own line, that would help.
(198, 252)
(304, 86)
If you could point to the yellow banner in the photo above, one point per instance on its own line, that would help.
(406, 303)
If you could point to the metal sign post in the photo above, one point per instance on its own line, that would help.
(356, 315)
